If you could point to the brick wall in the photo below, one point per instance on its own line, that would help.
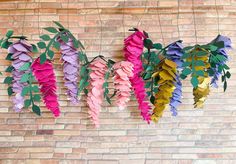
(196, 136)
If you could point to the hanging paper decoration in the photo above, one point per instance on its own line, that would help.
(123, 71)
(46, 77)
(133, 51)
(174, 53)
(95, 95)
(166, 73)
(21, 81)
(70, 67)
(218, 61)
(64, 41)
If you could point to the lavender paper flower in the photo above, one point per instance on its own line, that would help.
(70, 68)
(223, 52)
(20, 54)
(174, 53)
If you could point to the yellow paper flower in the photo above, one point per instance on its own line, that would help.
(166, 74)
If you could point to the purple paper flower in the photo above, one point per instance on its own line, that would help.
(223, 52)
(20, 54)
(174, 53)
(70, 68)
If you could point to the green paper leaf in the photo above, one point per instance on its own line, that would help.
(35, 88)
(147, 76)
(186, 71)
(199, 63)
(6, 44)
(220, 58)
(56, 45)
(226, 67)
(107, 75)
(187, 48)
(24, 78)
(51, 29)
(200, 73)
(222, 78)
(37, 98)
(148, 93)
(50, 54)
(86, 92)
(213, 48)
(8, 80)
(25, 91)
(24, 67)
(194, 81)
(110, 63)
(211, 72)
(182, 76)
(9, 91)
(75, 43)
(152, 99)
(45, 37)
(148, 43)
(41, 45)
(201, 53)
(225, 86)
(8, 57)
(9, 33)
(185, 55)
(157, 46)
(220, 44)
(27, 103)
(108, 99)
(65, 38)
(148, 84)
(34, 48)
(105, 85)
(43, 58)
(9, 69)
(228, 75)
(36, 110)
(186, 64)
(58, 24)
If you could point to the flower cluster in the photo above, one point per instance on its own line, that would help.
(122, 72)
(95, 96)
(46, 77)
(70, 68)
(133, 51)
(166, 73)
(20, 54)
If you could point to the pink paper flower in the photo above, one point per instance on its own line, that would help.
(133, 51)
(122, 72)
(45, 75)
(20, 54)
(70, 68)
(95, 96)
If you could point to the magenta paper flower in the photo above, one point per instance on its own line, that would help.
(133, 51)
(46, 77)
(20, 54)
(70, 68)
(95, 95)
(122, 72)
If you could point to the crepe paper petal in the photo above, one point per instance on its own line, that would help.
(122, 72)
(95, 94)
(166, 88)
(201, 92)
(21, 55)
(132, 51)
(223, 52)
(46, 77)
(70, 68)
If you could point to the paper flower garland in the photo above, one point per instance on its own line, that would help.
(133, 51)
(166, 73)
(153, 74)
(95, 95)
(45, 75)
(122, 72)
(70, 68)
